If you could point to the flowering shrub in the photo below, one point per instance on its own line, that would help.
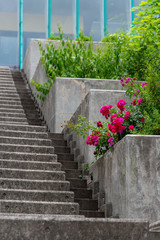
(127, 119)
(142, 116)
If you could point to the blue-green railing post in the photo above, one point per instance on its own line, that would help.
(49, 18)
(132, 12)
(77, 18)
(105, 17)
(21, 35)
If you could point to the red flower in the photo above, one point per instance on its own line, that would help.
(131, 127)
(134, 102)
(143, 120)
(126, 115)
(121, 104)
(99, 124)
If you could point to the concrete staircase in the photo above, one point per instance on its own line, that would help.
(41, 195)
(31, 179)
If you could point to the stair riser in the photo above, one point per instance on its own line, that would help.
(30, 165)
(62, 150)
(22, 128)
(15, 107)
(26, 149)
(10, 119)
(91, 214)
(73, 173)
(82, 193)
(69, 165)
(25, 141)
(38, 208)
(77, 183)
(87, 205)
(59, 142)
(65, 157)
(23, 134)
(34, 185)
(36, 196)
(18, 111)
(28, 157)
(12, 115)
(32, 175)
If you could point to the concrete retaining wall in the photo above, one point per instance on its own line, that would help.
(129, 176)
(32, 56)
(90, 108)
(66, 95)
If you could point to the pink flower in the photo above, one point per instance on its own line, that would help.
(110, 141)
(113, 116)
(105, 110)
(131, 83)
(121, 104)
(143, 84)
(140, 100)
(126, 115)
(99, 124)
(122, 80)
(108, 135)
(131, 127)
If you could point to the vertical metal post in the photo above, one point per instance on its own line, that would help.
(49, 18)
(21, 35)
(105, 17)
(77, 18)
(132, 12)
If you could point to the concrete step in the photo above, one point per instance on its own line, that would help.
(12, 115)
(26, 148)
(10, 110)
(24, 141)
(57, 136)
(13, 89)
(28, 156)
(24, 134)
(20, 164)
(13, 183)
(36, 195)
(31, 207)
(14, 95)
(14, 119)
(23, 128)
(82, 193)
(65, 157)
(59, 149)
(60, 227)
(77, 183)
(87, 204)
(32, 174)
(57, 142)
(11, 102)
(92, 214)
(7, 86)
(14, 123)
(6, 98)
(73, 173)
(69, 165)
(4, 83)
(9, 106)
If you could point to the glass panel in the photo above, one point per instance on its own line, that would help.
(9, 12)
(136, 3)
(91, 18)
(63, 12)
(118, 15)
(34, 21)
